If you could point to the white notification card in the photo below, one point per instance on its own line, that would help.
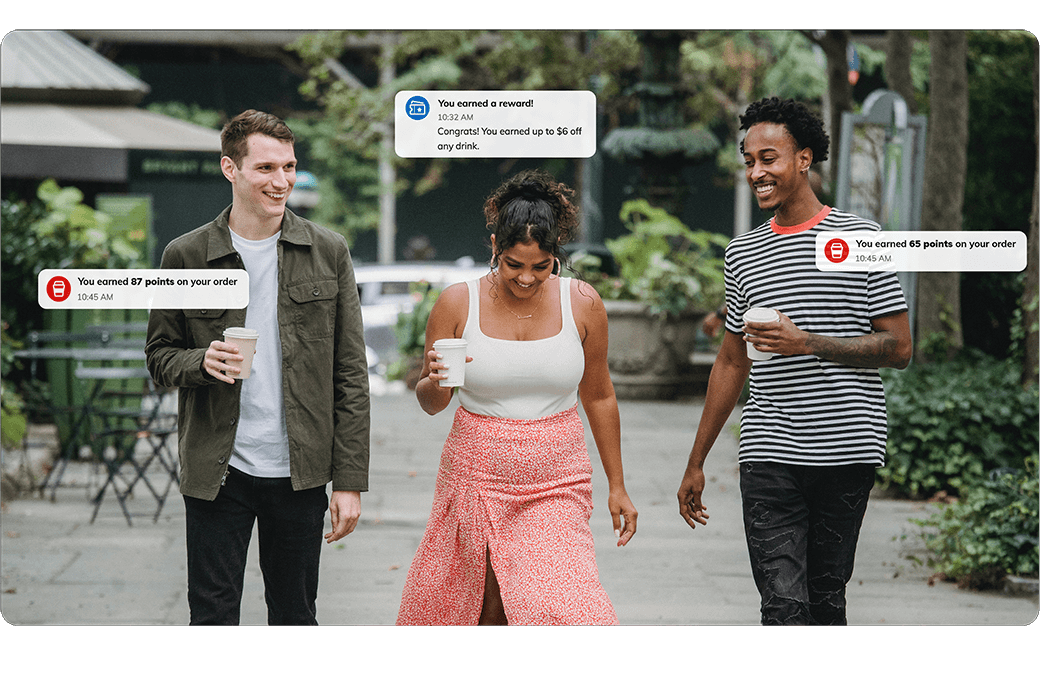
(495, 124)
(143, 288)
(921, 251)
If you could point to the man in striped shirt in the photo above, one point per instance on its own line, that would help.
(814, 427)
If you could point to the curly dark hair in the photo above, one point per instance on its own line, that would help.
(532, 206)
(805, 126)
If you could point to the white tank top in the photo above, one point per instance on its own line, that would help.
(522, 379)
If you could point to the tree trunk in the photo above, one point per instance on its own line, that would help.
(835, 45)
(898, 50)
(1030, 311)
(946, 161)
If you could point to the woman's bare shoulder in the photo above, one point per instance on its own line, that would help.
(452, 305)
(584, 296)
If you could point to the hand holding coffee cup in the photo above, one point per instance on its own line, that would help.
(231, 359)
(759, 314)
(451, 362)
(222, 360)
(245, 339)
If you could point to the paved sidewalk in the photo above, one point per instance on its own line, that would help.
(57, 568)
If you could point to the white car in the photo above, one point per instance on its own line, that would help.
(386, 292)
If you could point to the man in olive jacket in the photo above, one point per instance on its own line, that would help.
(262, 450)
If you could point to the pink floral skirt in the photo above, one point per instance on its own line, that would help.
(521, 490)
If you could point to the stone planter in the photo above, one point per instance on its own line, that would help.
(650, 355)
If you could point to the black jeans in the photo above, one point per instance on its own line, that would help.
(290, 525)
(802, 524)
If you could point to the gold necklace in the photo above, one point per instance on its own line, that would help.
(541, 295)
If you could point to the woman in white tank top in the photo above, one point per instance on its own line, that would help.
(508, 539)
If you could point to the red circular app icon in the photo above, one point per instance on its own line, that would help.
(836, 250)
(59, 288)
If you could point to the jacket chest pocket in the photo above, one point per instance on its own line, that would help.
(205, 325)
(313, 306)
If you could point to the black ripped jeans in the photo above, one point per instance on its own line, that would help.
(802, 524)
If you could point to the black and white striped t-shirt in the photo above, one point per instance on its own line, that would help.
(803, 409)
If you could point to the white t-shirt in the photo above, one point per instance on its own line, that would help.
(803, 409)
(261, 441)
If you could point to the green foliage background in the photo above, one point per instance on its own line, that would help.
(991, 531)
(950, 424)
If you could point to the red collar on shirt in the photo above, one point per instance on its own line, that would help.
(804, 226)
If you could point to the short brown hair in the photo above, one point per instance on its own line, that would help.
(233, 137)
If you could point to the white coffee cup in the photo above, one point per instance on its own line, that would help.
(245, 339)
(453, 355)
(760, 315)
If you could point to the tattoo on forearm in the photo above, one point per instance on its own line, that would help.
(876, 350)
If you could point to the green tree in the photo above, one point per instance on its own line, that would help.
(998, 192)
(351, 146)
(355, 75)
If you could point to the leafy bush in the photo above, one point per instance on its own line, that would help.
(950, 424)
(12, 408)
(410, 330)
(53, 232)
(18, 264)
(990, 532)
(662, 263)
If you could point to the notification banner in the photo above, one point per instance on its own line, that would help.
(143, 288)
(495, 124)
(921, 251)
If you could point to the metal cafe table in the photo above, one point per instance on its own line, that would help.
(114, 430)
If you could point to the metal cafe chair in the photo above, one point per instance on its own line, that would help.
(131, 442)
(92, 345)
(123, 335)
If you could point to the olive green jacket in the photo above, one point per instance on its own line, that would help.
(324, 367)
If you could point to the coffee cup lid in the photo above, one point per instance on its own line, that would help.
(241, 333)
(448, 343)
(759, 314)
